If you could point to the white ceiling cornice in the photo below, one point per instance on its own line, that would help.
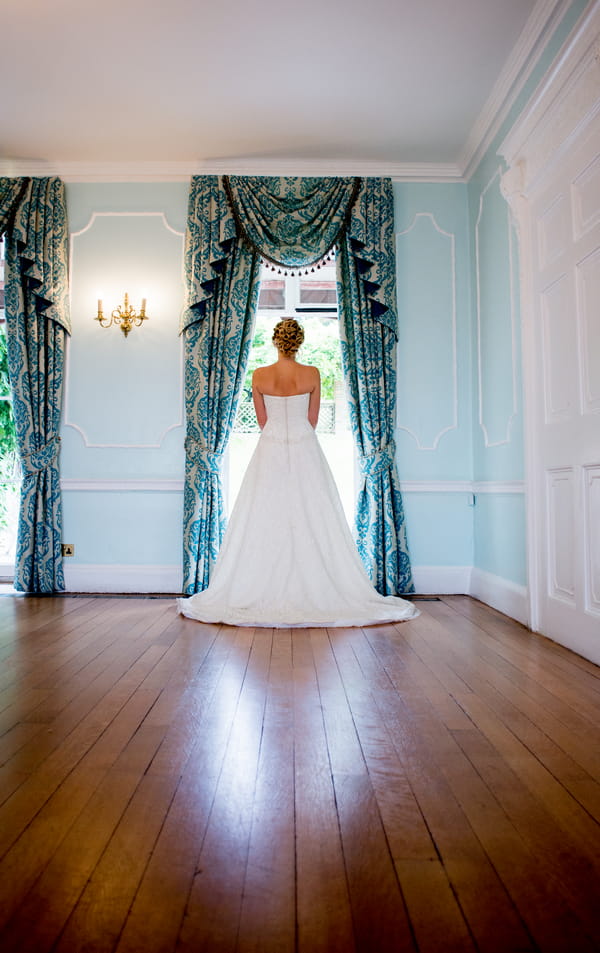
(180, 171)
(544, 18)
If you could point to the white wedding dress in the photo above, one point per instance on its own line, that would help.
(288, 558)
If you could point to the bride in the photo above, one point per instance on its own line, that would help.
(288, 558)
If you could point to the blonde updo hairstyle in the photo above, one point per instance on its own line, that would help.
(288, 336)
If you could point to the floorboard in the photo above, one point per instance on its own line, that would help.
(167, 786)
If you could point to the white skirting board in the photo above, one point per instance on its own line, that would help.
(501, 594)
(107, 578)
(442, 580)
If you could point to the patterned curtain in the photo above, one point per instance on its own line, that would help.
(292, 222)
(367, 303)
(33, 213)
(222, 277)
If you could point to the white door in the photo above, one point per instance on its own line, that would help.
(565, 240)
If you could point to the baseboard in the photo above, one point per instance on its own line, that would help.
(442, 580)
(502, 594)
(106, 578)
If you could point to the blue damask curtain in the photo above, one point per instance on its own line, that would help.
(293, 222)
(222, 277)
(366, 270)
(33, 216)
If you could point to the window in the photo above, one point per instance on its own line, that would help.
(312, 299)
(10, 478)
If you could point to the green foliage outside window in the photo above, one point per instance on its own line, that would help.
(7, 426)
(8, 442)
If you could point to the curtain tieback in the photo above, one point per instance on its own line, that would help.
(206, 459)
(37, 460)
(379, 461)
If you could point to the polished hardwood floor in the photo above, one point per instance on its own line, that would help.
(172, 786)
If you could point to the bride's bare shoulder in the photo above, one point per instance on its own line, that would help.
(310, 371)
(263, 371)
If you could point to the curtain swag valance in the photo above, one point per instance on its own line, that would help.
(33, 214)
(293, 222)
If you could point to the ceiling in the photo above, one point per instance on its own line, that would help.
(239, 85)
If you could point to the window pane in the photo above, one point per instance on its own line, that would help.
(315, 292)
(319, 287)
(272, 294)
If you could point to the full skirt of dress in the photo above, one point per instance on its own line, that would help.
(288, 558)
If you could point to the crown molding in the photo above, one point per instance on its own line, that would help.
(72, 171)
(397, 171)
(579, 55)
(543, 20)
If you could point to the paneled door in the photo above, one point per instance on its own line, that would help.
(565, 246)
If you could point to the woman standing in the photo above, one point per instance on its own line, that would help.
(288, 558)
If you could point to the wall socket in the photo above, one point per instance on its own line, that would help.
(68, 549)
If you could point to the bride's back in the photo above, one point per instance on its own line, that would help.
(286, 378)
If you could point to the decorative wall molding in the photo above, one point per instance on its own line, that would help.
(121, 486)
(90, 223)
(462, 486)
(183, 171)
(587, 285)
(487, 442)
(454, 401)
(436, 486)
(591, 503)
(127, 578)
(176, 486)
(122, 446)
(499, 486)
(543, 20)
(560, 542)
(561, 116)
(537, 141)
(68, 420)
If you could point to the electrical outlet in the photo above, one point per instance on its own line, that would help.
(68, 549)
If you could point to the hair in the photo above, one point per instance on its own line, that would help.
(288, 336)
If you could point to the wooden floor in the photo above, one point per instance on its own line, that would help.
(167, 785)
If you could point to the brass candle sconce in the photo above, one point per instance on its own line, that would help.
(124, 317)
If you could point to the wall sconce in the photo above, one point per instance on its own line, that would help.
(124, 317)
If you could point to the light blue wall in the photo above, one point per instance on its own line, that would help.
(122, 456)
(459, 423)
(498, 450)
(434, 347)
(434, 430)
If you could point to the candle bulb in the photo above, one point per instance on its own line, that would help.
(99, 305)
(143, 304)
